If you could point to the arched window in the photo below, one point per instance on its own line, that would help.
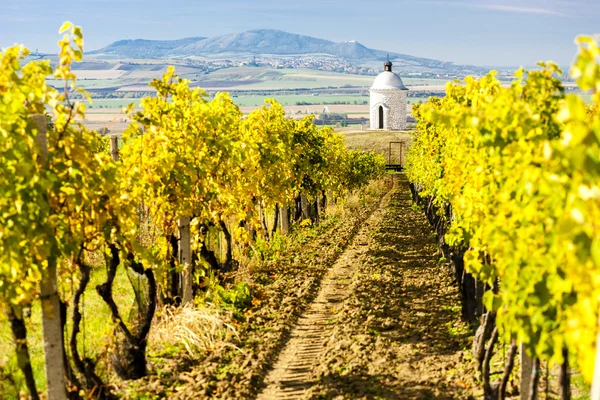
(380, 117)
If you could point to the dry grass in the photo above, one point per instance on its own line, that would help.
(378, 141)
(198, 330)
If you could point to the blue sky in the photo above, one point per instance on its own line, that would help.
(480, 32)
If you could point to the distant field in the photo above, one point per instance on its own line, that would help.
(291, 100)
(276, 79)
(350, 109)
(99, 74)
(255, 101)
(112, 118)
(413, 100)
(94, 83)
(112, 103)
(137, 76)
(265, 79)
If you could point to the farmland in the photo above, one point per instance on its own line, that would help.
(133, 77)
(301, 91)
(256, 100)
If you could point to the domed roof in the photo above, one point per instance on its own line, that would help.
(388, 80)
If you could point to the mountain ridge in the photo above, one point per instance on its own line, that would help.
(258, 41)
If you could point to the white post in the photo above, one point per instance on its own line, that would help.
(185, 258)
(526, 370)
(51, 321)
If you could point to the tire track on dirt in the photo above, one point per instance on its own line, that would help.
(399, 334)
(290, 377)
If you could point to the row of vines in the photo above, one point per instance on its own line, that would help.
(187, 166)
(510, 179)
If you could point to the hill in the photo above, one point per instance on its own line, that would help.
(140, 48)
(261, 41)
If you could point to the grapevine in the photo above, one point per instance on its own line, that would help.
(183, 156)
(519, 168)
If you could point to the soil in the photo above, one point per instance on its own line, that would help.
(282, 289)
(364, 309)
(383, 325)
(291, 375)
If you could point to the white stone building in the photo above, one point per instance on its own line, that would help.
(388, 101)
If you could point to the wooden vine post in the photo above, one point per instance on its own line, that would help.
(51, 320)
(185, 258)
(526, 370)
(304, 205)
(114, 147)
(595, 394)
(284, 219)
(318, 208)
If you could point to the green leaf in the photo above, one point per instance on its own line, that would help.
(595, 251)
(491, 301)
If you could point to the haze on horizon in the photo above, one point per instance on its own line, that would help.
(485, 32)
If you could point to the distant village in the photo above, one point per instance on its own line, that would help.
(281, 62)
(330, 64)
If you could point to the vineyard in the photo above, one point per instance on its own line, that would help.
(509, 178)
(208, 253)
(189, 173)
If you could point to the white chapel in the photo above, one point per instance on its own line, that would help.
(388, 101)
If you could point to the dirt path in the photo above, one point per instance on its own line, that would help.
(386, 322)
(291, 375)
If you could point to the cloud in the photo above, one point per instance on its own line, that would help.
(519, 9)
(523, 8)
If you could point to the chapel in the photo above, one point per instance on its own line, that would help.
(388, 101)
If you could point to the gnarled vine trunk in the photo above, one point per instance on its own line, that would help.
(175, 292)
(298, 208)
(275, 220)
(508, 368)
(564, 380)
(129, 359)
(535, 379)
(19, 330)
(86, 366)
(489, 391)
(228, 266)
(207, 254)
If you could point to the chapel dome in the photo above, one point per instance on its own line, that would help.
(388, 80)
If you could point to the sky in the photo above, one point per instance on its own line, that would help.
(478, 32)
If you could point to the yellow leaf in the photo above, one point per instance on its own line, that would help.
(65, 26)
